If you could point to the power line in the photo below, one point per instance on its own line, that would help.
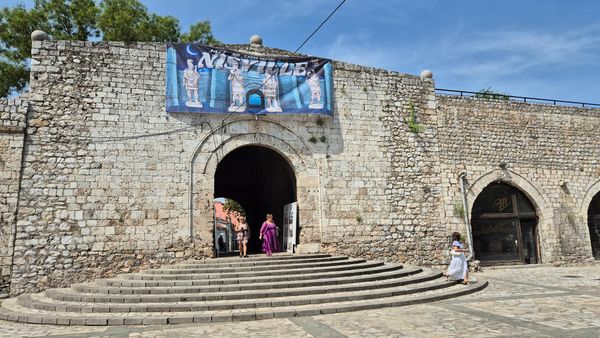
(293, 54)
(320, 25)
(104, 139)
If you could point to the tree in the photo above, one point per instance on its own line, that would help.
(13, 77)
(232, 207)
(162, 29)
(115, 20)
(64, 20)
(71, 19)
(491, 94)
(200, 33)
(129, 20)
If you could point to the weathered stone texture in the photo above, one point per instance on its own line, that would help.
(542, 146)
(388, 208)
(13, 113)
(111, 181)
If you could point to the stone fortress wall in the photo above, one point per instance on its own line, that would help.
(551, 153)
(110, 181)
(13, 113)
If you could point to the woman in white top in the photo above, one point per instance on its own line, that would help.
(458, 269)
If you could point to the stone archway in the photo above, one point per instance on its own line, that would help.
(593, 221)
(262, 181)
(588, 212)
(262, 133)
(504, 226)
(546, 231)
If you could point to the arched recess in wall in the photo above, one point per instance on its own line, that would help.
(531, 193)
(263, 133)
(504, 224)
(263, 182)
(590, 211)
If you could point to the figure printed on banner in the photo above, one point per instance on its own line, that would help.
(191, 78)
(205, 79)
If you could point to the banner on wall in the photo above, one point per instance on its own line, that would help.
(204, 79)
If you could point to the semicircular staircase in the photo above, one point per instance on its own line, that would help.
(227, 289)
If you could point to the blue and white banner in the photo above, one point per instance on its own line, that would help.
(204, 79)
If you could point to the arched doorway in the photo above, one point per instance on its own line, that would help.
(261, 181)
(594, 225)
(504, 224)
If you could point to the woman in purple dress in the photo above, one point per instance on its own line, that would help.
(268, 234)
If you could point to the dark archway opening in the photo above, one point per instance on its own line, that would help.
(255, 99)
(594, 225)
(261, 181)
(504, 225)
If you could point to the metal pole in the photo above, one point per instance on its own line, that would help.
(462, 177)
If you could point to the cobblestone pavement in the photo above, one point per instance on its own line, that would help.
(540, 301)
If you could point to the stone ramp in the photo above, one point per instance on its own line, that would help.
(227, 289)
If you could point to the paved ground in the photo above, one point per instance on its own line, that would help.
(533, 301)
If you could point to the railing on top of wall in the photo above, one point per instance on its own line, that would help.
(504, 97)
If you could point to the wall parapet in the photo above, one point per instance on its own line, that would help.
(490, 96)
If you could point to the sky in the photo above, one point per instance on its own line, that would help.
(548, 49)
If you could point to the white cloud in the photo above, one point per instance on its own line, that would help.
(481, 59)
(363, 50)
(506, 52)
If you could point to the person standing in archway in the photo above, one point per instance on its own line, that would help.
(242, 236)
(268, 234)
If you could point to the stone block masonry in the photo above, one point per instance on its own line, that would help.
(108, 181)
(13, 114)
(552, 154)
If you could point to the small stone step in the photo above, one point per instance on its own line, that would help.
(257, 257)
(274, 271)
(94, 288)
(238, 262)
(41, 302)
(291, 276)
(295, 290)
(243, 268)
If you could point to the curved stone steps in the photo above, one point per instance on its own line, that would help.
(351, 264)
(254, 268)
(306, 285)
(255, 258)
(71, 295)
(41, 302)
(246, 262)
(94, 288)
(11, 310)
(292, 276)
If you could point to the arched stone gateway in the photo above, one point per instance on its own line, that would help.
(546, 231)
(594, 225)
(504, 223)
(262, 181)
(239, 144)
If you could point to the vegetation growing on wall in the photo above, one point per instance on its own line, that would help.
(412, 123)
(490, 94)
